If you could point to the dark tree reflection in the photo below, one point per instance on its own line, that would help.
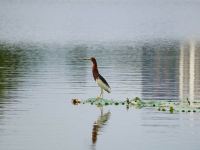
(16, 61)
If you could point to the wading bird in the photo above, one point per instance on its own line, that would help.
(102, 83)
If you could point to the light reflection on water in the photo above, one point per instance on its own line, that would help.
(37, 83)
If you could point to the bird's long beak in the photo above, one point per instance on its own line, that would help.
(85, 58)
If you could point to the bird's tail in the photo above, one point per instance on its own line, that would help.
(108, 90)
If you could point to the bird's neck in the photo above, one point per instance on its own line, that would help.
(95, 71)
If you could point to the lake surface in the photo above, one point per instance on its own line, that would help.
(39, 81)
(144, 48)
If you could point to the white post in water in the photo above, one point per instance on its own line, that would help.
(192, 72)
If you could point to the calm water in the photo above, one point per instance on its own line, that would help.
(39, 81)
(144, 48)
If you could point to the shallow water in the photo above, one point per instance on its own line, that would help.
(39, 81)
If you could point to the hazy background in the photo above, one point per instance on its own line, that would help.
(97, 20)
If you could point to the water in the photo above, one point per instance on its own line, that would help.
(148, 49)
(39, 81)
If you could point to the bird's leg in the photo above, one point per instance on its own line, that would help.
(101, 94)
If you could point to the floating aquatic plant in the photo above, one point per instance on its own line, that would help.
(171, 109)
(136, 102)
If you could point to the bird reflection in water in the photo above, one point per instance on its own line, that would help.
(98, 126)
